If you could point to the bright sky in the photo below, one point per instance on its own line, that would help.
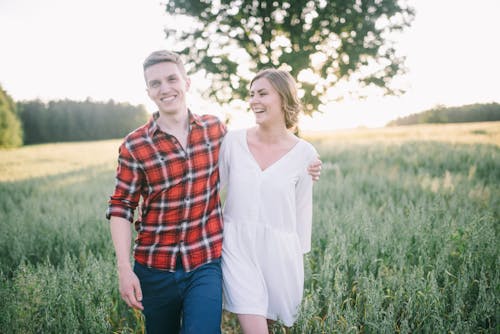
(56, 49)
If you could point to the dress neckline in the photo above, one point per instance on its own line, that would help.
(275, 162)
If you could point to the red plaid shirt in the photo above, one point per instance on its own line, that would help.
(181, 212)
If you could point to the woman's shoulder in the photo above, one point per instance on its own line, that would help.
(307, 149)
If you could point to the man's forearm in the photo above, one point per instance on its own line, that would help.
(122, 237)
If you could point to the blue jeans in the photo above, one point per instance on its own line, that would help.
(194, 296)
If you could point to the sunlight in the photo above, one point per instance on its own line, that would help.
(308, 76)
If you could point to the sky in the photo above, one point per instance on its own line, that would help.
(57, 49)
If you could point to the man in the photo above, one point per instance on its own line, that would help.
(172, 163)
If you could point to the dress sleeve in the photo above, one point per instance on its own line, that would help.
(303, 200)
(224, 161)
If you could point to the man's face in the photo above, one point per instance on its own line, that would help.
(167, 87)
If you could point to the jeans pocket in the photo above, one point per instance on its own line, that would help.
(143, 272)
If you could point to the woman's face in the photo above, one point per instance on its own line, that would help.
(265, 103)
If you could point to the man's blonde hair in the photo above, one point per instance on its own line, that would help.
(161, 56)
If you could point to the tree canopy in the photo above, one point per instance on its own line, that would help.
(11, 134)
(322, 43)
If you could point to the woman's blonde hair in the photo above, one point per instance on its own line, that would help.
(286, 87)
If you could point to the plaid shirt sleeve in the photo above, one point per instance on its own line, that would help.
(129, 178)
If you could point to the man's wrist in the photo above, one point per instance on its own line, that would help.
(123, 266)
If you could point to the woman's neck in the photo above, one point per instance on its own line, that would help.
(271, 135)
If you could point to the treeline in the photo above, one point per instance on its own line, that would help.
(68, 120)
(487, 112)
(33, 122)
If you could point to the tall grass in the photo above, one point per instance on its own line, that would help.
(404, 239)
(57, 270)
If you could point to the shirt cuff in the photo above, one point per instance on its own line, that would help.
(122, 212)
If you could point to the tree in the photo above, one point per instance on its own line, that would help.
(478, 112)
(11, 134)
(66, 120)
(322, 43)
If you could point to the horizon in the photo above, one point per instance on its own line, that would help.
(248, 117)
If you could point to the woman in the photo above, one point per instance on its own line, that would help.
(268, 208)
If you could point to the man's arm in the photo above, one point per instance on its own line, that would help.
(130, 288)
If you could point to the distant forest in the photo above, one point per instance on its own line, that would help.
(469, 113)
(33, 122)
(66, 120)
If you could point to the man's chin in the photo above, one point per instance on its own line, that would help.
(171, 110)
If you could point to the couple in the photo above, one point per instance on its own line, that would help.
(174, 162)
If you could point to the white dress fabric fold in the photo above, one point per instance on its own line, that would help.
(267, 229)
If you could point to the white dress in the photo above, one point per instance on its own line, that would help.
(267, 227)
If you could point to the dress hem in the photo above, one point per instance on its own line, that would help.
(244, 310)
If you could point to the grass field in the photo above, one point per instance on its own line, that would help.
(405, 237)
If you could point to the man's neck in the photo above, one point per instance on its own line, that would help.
(173, 123)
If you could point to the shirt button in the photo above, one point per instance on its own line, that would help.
(186, 199)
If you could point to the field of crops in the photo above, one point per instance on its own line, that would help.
(405, 237)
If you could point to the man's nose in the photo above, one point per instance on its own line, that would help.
(164, 86)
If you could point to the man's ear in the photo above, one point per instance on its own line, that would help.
(188, 83)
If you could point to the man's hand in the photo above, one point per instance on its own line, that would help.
(130, 288)
(314, 169)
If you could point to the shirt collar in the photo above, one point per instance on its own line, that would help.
(153, 125)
